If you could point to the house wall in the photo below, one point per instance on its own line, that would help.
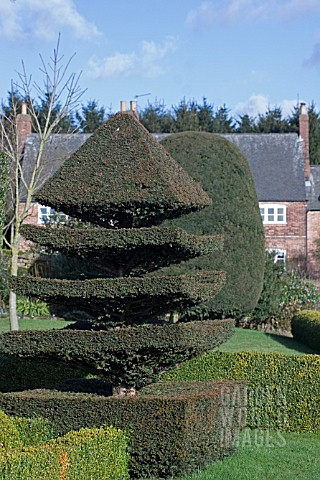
(313, 235)
(291, 236)
(32, 219)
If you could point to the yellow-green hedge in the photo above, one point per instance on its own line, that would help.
(97, 453)
(306, 328)
(9, 434)
(283, 390)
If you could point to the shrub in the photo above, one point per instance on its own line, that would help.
(99, 453)
(268, 305)
(225, 175)
(283, 294)
(134, 356)
(26, 307)
(296, 293)
(283, 391)
(172, 427)
(306, 328)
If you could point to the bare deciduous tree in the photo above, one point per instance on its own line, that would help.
(59, 88)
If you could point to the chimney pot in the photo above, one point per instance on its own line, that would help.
(133, 106)
(303, 109)
(24, 109)
(123, 106)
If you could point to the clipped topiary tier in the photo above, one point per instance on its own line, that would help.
(128, 300)
(129, 356)
(122, 176)
(124, 251)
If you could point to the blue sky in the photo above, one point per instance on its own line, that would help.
(247, 54)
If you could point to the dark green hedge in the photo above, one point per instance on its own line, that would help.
(283, 391)
(129, 251)
(130, 356)
(125, 300)
(173, 430)
(225, 175)
(17, 373)
(305, 327)
(122, 173)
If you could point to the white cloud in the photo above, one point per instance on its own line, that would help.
(38, 19)
(117, 64)
(287, 107)
(145, 62)
(259, 104)
(227, 11)
(255, 105)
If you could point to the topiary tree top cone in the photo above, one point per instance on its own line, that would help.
(122, 177)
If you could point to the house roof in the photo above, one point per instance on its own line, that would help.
(277, 165)
(313, 191)
(57, 149)
(276, 162)
(121, 172)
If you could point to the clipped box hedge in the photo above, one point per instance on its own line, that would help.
(98, 453)
(173, 428)
(283, 391)
(305, 327)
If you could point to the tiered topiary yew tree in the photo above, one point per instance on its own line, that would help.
(125, 185)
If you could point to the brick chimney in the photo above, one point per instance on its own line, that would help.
(24, 127)
(304, 136)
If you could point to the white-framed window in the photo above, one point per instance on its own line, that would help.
(273, 214)
(279, 255)
(49, 215)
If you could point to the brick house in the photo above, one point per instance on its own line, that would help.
(288, 188)
(277, 165)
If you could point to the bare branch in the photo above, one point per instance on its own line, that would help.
(60, 93)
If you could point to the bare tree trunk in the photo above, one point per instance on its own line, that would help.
(123, 391)
(14, 324)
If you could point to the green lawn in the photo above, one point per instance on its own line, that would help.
(257, 341)
(268, 456)
(34, 324)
